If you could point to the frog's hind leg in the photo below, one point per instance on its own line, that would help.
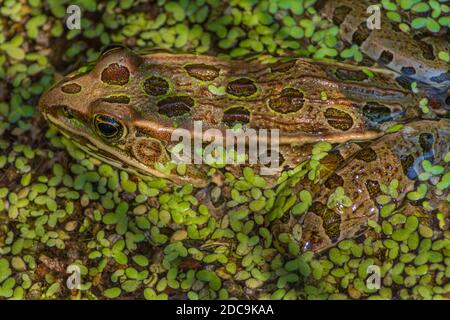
(414, 57)
(349, 198)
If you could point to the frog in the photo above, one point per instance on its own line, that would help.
(126, 108)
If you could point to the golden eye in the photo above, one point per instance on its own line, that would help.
(108, 127)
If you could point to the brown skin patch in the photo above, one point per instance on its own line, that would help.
(340, 13)
(155, 86)
(373, 187)
(236, 115)
(331, 220)
(147, 151)
(289, 100)
(202, 71)
(366, 155)
(115, 74)
(175, 106)
(353, 75)
(338, 119)
(361, 34)
(330, 163)
(71, 88)
(242, 87)
(282, 66)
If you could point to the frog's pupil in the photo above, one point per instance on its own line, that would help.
(107, 129)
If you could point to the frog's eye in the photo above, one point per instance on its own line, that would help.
(108, 127)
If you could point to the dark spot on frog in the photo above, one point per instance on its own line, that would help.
(71, 88)
(408, 71)
(236, 115)
(361, 34)
(202, 71)
(289, 100)
(63, 110)
(425, 48)
(338, 119)
(282, 66)
(367, 61)
(117, 99)
(373, 187)
(404, 82)
(447, 101)
(332, 161)
(377, 113)
(115, 74)
(443, 77)
(340, 13)
(366, 155)
(147, 151)
(242, 87)
(155, 86)
(141, 133)
(434, 102)
(407, 162)
(426, 141)
(334, 181)
(331, 220)
(175, 106)
(386, 57)
(353, 75)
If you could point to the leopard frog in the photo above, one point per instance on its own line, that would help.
(125, 108)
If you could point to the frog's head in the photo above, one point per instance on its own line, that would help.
(107, 110)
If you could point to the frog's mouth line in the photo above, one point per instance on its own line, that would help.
(102, 151)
